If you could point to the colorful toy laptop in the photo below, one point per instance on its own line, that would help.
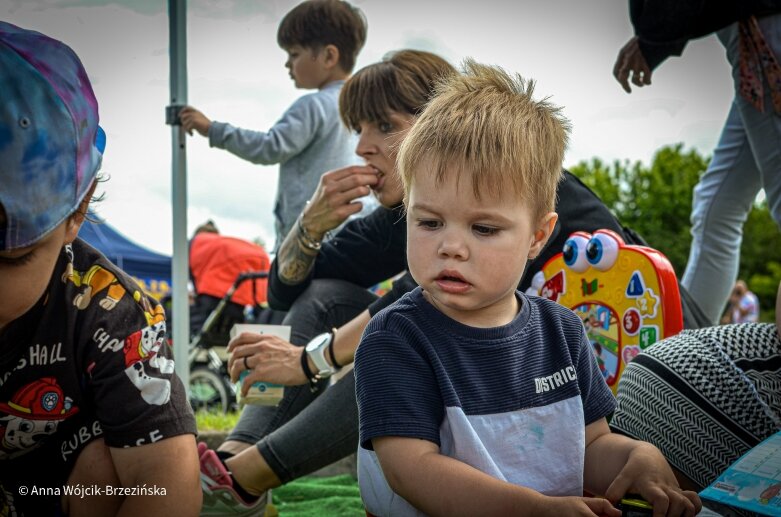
(626, 295)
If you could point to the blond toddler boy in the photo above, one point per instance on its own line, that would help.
(475, 399)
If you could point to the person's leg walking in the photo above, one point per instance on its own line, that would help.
(747, 158)
(722, 200)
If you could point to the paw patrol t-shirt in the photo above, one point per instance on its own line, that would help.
(89, 360)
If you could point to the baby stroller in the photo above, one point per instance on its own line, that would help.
(210, 384)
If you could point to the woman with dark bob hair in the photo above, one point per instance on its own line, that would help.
(322, 283)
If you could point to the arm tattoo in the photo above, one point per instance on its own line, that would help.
(295, 260)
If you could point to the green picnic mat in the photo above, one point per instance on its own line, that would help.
(335, 496)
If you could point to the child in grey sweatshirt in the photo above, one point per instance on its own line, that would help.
(322, 39)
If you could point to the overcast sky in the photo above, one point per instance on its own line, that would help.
(237, 75)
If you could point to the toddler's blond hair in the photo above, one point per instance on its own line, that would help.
(483, 125)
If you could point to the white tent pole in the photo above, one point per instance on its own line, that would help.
(177, 33)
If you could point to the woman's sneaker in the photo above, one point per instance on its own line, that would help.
(219, 496)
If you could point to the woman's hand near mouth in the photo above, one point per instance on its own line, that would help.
(335, 198)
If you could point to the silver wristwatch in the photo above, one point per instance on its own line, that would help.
(315, 349)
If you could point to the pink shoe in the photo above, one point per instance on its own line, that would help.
(219, 497)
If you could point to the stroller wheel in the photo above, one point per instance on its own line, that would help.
(210, 390)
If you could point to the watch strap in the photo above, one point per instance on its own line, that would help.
(311, 377)
(331, 353)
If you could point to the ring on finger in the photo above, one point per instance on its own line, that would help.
(246, 364)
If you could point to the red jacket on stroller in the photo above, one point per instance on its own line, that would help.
(216, 261)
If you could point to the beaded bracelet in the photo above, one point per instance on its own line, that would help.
(307, 240)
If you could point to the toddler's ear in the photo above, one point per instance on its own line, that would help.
(542, 233)
(77, 218)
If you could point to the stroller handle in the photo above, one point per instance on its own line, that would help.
(243, 277)
(254, 275)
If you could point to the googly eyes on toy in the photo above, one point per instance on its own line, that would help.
(602, 251)
(574, 253)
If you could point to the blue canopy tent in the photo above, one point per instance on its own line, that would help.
(152, 270)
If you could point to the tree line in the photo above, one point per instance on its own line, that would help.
(655, 200)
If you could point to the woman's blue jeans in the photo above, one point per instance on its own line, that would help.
(746, 159)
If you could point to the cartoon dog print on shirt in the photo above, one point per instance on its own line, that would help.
(32, 414)
(92, 282)
(141, 354)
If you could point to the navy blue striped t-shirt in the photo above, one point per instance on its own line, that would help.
(512, 401)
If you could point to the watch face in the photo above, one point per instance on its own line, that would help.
(317, 342)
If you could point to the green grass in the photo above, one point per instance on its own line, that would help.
(215, 420)
(336, 496)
